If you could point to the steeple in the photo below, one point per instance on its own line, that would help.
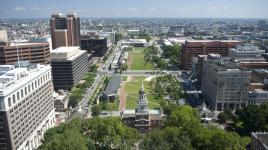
(142, 104)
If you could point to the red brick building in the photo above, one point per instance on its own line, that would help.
(65, 31)
(33, 52)
(193, 48)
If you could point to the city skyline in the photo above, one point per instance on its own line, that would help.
(127, 8)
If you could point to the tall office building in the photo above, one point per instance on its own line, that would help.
(33, 52)
(69, 65)
(95, 45)
(65, 31)
(193, 48)
(225, 85)
(26, 105)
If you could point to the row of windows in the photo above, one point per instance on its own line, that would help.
(27, 89)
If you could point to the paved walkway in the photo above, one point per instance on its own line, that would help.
(122, 97)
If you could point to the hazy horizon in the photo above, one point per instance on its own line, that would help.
(248, 9)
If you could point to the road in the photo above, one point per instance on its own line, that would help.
(83, 107)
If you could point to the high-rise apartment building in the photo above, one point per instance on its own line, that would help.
(69, 65)
(26, 105)
(65, 31)
(225, 85)
(32, 52)
(193, 48)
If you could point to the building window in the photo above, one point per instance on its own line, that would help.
(14, 98)
(35, 83)
(18, 96)
(29, 88)
(25, 90)
(9, 102)
(21, 92)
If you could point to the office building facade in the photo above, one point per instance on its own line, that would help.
(26, 106)
(224, 84)
(245, 51)
(65, 31)
(69, 65)
(32, 52)
(94, 44)
(193, 48)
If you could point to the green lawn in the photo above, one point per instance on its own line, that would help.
(112, 106)
(132, 89)
(138, 60)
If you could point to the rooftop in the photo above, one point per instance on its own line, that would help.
(66, 53)
(113, 85)
(10, 76)
(3, 36)
(26, 43)
(210, 41)
(224, 65)
(262, 137)
(247, 47)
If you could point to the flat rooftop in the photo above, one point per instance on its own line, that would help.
(247, 48)
(224, 65)
(66, 53)
(15, 77)
(262, 137)
(210, 41)
(27, 43)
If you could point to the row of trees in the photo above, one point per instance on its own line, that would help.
(144, 36)
(173, 53)
(95, 133)
(78, 91)
(151, 56)
(168, 86)
(249, 119)
(182, 130)
(170, 53)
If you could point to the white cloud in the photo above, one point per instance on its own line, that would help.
(152, 9)
(19, 8)
(36, 8)
(132, 9)
(212, 8)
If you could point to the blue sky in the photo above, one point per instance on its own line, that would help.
(136, 8)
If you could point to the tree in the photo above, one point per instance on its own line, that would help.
(201, 137)
(252, 118)
(93, 68)
(67, 137)
(125, 66)
(68, 140)
(118, 36)
(168, 138)
(110, 132)
(95, 110)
